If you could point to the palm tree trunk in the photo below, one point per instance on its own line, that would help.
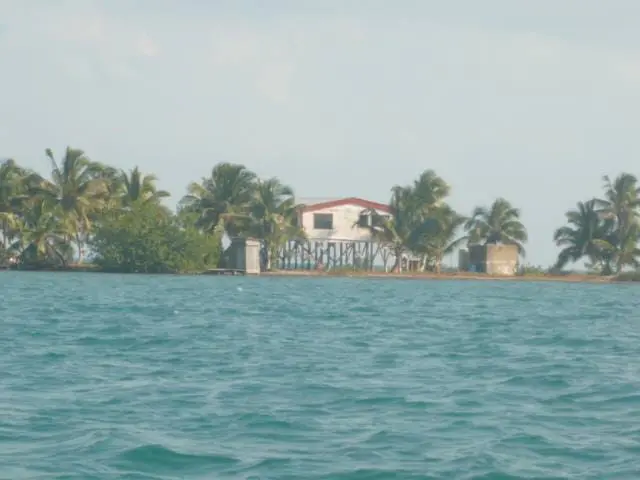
(80, 245)
(397, 266)
(619, 264)
(60, 256)
(80, 252)
(268, 255)
(275, 250)
(607, 270)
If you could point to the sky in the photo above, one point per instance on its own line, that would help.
(530, 101)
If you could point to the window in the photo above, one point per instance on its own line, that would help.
(365, 220)
(323, 221)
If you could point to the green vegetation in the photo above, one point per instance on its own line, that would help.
(532, 270)
(85, 208)
(604, 231)
(146, 238)
(118, 217)
(423, 225)
(50, 222)
(628, 277)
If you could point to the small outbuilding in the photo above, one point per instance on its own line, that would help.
(493, 259)
(244, 255)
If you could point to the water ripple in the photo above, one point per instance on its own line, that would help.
(163, 377)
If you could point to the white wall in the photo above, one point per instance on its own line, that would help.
(344, 218)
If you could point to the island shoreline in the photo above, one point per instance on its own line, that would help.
(462, 276)
(570, 278)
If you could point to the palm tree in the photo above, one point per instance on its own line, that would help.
(498, 224)
(443, 239)
(274, 215)
(222, 200)
(620, 207)
(429, 190)
(621, 200)
(11, 193)
(137, 187)
(625, 251)
(586, 234)
(43, 235)
(112, 178)
(79, 188)
(412, 218)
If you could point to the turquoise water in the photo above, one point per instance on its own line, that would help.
(160, 377)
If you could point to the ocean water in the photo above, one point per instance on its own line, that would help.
(162, 377)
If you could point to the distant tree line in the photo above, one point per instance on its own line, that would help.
(118, 216)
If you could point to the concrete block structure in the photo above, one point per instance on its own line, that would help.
(244, 255)
(494, 259)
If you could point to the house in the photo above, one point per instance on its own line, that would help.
(334, 239)
(335, 220)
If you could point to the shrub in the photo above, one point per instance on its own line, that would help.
(628, 276)
(147, 238)
(532, 270)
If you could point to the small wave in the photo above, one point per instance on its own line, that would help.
(377, 474)
(505, 476)
(265, 466)
(525, 439)
(158, 457)
(256, 420)
(538, 381)
(382, 400)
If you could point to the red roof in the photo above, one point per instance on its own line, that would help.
(360, 202)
